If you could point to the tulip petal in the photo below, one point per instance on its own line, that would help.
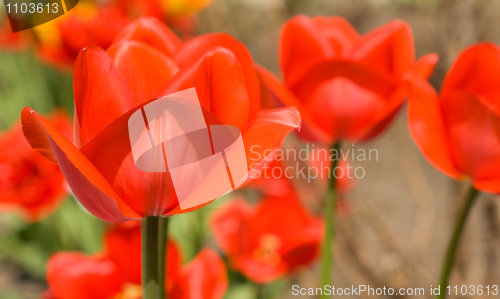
(343, 108)
(72, 275)
(96, 29)
(229, 223)
(220, 86)
(474, 134)
(305, 41)
(101, 94)
(276, 95)
(123, 247)
(258, 272)
(284, 210)
(86, 182)
(151, 31)
(205, 277)
(488, 185)
(375, 81)
(200, 45)
(424, 66)
(267, 131)
(147, 193)
(383, 117)
(427, 127)
(388, 48)
(476, 71)
(338, 30)
(144, 69)
(304, 246)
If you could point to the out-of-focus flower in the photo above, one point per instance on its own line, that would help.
(347, 86)
(29, 183)
(148, 62)
(269, 241)
(161, 9)
(13, 41)
(85, 25)
(184, 7)
(458, 131)
(116, 272)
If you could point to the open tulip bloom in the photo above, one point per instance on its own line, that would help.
(346, 86)
(109, 86)
(147, 62)
(457, 131)
(268, 241)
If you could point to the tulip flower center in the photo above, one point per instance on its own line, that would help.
(130, 291)
(268, 250)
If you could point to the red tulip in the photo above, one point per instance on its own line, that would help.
(116, 272)
(61, 40)
(269, 241)
(28, 182)
(13, 41)
(149, 62)
(162, 9)
(346, 86)
(457, 131)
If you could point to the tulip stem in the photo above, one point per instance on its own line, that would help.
(452, 246)
(151, 283)
(162, 252)
(329, 218)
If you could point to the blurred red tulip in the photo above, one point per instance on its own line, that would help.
(61, 40)
(346, 86)
(116, 272)
(269, 241)
(458, 132)
(29, 183)
(164, 10)
(110, 85)
(13, 41)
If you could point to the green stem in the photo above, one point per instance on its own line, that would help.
(151, 284)
(198, 232)
(260, 291)
(329, 218)
(452, 246)
(162, 253)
